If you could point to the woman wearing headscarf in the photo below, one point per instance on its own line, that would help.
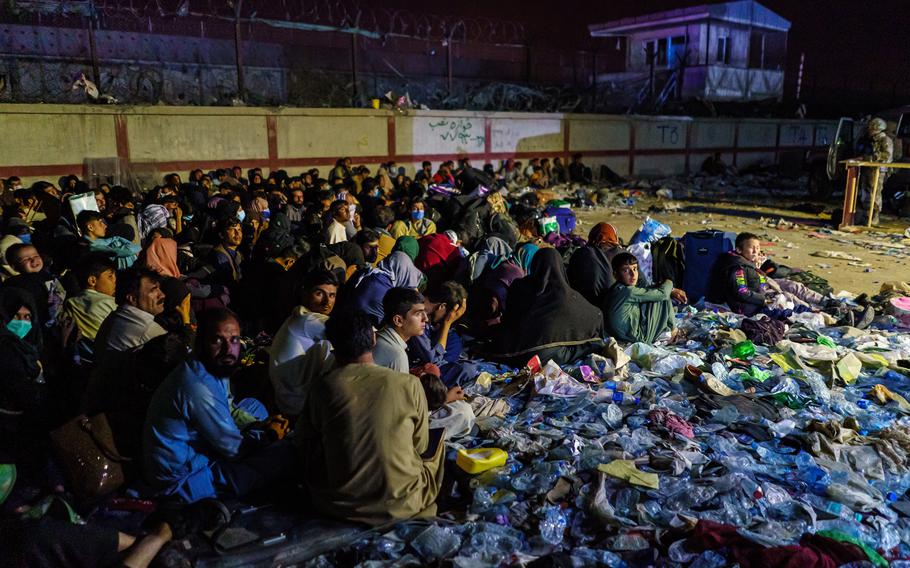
(524, 255)
(153, 216)
(493, 252)
(488, 295)
(161, 256)
(368, 287)
(23, 393)
(417, 224)
(589, 270)
(407, 245)
(544, 316)
(385, 181)
(438, 259)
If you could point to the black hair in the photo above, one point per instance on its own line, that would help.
(743, 237)
(209, 320)
(365, 236)
(163, 232)
(367, 185)
(121, 229)
(435, 390)
(384, 216)
(351, 334)
(93, 264)
(226, 223)
(426, 163)
(623, 259)
(129, 281)
(337, 206)
(398, 301)
(13, 251)
(85, 217)
(449, 293)
(120, 195)
(319, 278)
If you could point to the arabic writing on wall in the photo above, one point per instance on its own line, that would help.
(460, 130)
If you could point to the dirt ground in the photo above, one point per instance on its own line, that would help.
(788, 245)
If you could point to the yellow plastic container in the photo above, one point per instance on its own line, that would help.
(481, 459)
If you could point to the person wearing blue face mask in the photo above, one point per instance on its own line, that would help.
(417, 225)
(22, 387)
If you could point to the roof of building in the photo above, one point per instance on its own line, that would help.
(747, 12)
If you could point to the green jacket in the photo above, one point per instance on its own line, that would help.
(623, 308)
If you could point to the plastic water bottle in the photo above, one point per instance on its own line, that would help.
(816, 479)
(553, 526)
(833, 508)
(616, 396)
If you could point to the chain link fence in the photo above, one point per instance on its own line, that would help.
(299, 53)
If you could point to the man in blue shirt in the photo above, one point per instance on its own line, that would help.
(193, 443)
(440, 344)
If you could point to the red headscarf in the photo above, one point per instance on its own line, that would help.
(603, 234)
(438, 258)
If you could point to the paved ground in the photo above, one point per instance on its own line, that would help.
(786, 244)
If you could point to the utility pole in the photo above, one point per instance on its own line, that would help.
(92, 48)
(355, 93)
(238, 51)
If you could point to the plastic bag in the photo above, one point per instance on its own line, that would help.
(650, 231)
(642, 251)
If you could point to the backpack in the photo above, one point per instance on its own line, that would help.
(668, 261)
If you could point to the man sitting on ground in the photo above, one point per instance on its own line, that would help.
(405, 317)
(637, 314)
(193, 446)
(132, 324)
(439, 343)
(300, 352)
(336, 232)
(364, 431)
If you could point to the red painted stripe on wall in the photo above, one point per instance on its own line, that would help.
(122, 136)
(277, 163)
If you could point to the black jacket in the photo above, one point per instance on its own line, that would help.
(737, 283)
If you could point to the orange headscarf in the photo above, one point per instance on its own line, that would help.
(603, 234)
(161, 256)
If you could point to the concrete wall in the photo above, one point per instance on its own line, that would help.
(48, 141)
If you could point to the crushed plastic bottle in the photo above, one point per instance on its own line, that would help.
(832, 508)
(436, 542)
(553, 525)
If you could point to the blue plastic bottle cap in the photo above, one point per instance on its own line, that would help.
(862, 403)
(858, 517)
(892, 496)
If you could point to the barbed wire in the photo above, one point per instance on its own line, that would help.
(339, 14)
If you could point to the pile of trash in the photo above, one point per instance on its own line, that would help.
(784, 445)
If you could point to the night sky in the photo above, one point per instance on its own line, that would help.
(857, 52)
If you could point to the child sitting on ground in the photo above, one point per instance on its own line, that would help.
(739, 280)
(736, 279)
(635, 313)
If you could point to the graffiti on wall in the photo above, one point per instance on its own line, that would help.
(459, 130)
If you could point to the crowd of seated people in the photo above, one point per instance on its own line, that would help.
(375, 297)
